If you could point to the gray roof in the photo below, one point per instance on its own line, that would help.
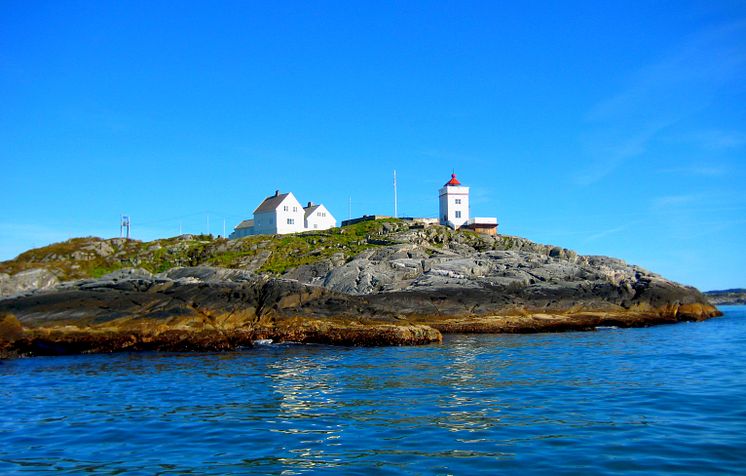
(244, 224)
(310, 210)
(271, 203)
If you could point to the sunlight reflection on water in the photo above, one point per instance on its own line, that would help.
(658, 400)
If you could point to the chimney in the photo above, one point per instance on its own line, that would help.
(277, 193)
(310, 204)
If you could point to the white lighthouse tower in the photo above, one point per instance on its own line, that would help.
(454, 203)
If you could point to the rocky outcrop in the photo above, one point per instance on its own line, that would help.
(197, 309)
(416, 285)
(11, 331)
(478, 275)
(30, 280)
(727, 297)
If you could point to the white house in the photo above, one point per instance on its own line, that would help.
(317, 217)
(278, 214)
(282, 213)
(454, 203)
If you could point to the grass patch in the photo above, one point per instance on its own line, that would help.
(84, 258)
(98, 271)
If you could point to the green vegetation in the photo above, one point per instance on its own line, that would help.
(280, 253)
(97, 272)
(94, 257)
(69, 259)
(274, 254)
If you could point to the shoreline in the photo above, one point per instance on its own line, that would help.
(139, 334)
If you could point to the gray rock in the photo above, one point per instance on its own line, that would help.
(207, 274)
(101, 248)
(313, 274)
(519, 274)
(128, 273)
(26, 281)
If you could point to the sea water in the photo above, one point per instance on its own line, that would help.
(659, 400)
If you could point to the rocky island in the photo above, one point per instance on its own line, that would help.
(390, 282)
(725, 297)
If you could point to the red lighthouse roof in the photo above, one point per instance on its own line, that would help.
(453, 182)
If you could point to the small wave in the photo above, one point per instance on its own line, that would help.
(262, 342)
(601, 328)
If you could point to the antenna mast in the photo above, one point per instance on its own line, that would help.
(124, 224)
(396, 205)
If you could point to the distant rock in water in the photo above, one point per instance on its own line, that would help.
(374, 283)
(727, 296)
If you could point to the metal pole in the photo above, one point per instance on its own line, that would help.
(396, 211)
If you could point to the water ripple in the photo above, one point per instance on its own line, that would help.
(669, 399)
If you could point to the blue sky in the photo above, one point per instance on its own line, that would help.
(609, 128)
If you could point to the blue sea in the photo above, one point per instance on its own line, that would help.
(662, 400)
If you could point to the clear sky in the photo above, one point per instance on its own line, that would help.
(608, 128)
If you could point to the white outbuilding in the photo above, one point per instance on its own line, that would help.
(245, 228)
(317, 217)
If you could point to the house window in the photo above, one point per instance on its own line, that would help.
(458, 213)
(315, 225)
(270, 220)
(291, 221)
(458, 201)
(318, 214)
(295, 209)
(323, 214)
(285, 208)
